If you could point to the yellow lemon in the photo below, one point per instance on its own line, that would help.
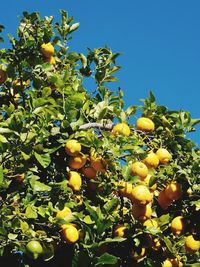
(178, 225)
(70, 234)
(141, 213)
(74, 180)
(145, 125)
(47, 50)
(121, 129)
(141, 195)
(173, 191)
(72, 147)
(163, 155)
(151, 160)
(191, 245)
(139, 169)
(120, 230)
(77, 162)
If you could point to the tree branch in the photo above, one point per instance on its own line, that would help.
(90, 125)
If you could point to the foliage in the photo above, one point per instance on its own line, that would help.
(42, 106)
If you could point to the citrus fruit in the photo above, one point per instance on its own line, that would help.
(51, 60)
(70, 234)
(173, 191)
(20, 85)
(163, 200)
(151, 160)
(97, 162)
(145, 125)
(163, 155)
(16, 98)
(20, 177)
(139, 169)
(77, 162)
(74, 180)
(167, 263)
(178, 225)
(138, 253)
(119, 230)
(34, 249)
(141, 195)
(146, 182)
(191, 245)
(89, 172)
(3, 76)
(72, 147)
(141, 213)
(64, 213)
(125, 188)
(121, 129)
(47, 50)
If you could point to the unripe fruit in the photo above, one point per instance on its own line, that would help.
(121, 129)
(72, 147)
(139, 169)
(145, 125)
(64, 213)
(34, 249)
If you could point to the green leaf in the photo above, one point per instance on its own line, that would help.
(39, 187)
(12, 236)
(111, 205)
(106, 258)
(43, 159)
(31, 212)
(88, 220)
(3, 139)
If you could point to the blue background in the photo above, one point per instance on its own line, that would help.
(159, 42)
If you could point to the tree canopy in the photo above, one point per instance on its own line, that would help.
(85, 181)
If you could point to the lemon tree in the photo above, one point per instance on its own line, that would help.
(84, 180)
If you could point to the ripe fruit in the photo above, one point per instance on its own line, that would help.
(138, 253)
(167, 263)
(3, 76)
(89, 172)
(51, 60)
(146, 182)
(47, 50)
(77, 162)
(141, 195)
(16, 98)
(145, 125)
(163, 200)
(121, 129)
(191, 245)
(120, 230)
(74, 180)
(125, 188)
(20, 177)
(151, 223)
(151, 160)
(139, 169)
(163, 155)
(72, 147)
(173, 191)
(97, 162)
(141, 213)
(20, 85)
(178, 225)
(70, 234)
(34, 249)
(64, 213)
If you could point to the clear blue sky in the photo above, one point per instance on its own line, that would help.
(159, 40)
